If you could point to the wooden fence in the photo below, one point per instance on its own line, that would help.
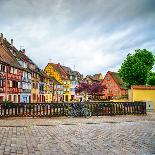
(61, 109)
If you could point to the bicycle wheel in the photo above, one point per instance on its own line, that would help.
(72, 113)
(86, 112)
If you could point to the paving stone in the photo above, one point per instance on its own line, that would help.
(118, 135)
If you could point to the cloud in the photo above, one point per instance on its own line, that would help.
(94, 36)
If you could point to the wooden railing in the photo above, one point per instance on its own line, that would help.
(61, 109)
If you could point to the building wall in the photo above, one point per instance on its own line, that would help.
(53, 73)
(66, 91)
(35, 88)
(72, 89)
(143, 95)
(112, 88)
(25, 98)
(57, 95)
(48, 90)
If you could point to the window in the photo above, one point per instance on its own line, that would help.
(11, 70)
(9, 98)
(112, 84)
(1, 83)
(116, 91)
(108, 91)
(10, 83)
(15, 71)
(34, 96)
(2, 68)
(14, 84)
(108, 78)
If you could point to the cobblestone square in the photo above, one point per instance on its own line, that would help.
(118, 135)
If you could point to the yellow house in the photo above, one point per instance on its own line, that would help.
(52, 72)
(143, 93)
(48, 90)
(65, 82)
(62, 89)
(66, 91)
(47, 87)
(34, 90)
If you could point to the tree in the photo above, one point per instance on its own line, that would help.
(135, 68)
(151, 78)
(86, 88)
(83, 88)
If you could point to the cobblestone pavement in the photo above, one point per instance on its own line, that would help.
(118, 135)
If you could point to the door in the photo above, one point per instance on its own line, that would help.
(66, 98)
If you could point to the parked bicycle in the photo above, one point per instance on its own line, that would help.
(78, 110)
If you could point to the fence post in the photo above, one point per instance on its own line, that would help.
(111, 109)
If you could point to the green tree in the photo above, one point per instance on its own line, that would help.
(151, 78)
(135, 68)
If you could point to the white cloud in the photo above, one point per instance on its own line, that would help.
(87, 35)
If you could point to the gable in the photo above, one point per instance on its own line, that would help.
(50, 71)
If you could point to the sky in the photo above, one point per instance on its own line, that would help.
(91, 36)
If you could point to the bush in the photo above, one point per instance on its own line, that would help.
(7, 104)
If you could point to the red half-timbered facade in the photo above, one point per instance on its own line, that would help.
(2, 80)
(115, 86)
(13, 84)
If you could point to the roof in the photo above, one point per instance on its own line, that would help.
(118, 79)
(143, 87)
(20, 55)
(7, 57)
(97, 76)
(69, 71)
(93, 78)
(60, 70)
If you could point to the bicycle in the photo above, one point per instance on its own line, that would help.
(78, 110)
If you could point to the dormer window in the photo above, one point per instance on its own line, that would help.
(108, 78)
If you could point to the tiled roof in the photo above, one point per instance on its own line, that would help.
(97, 76)
(8, 58)
(93, 78)
(20, 55)
(69, 71)
(118, 79)
(143, 87)
(58, 68)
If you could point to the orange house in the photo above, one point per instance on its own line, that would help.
(115, 86)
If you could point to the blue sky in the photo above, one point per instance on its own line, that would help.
(92, 35)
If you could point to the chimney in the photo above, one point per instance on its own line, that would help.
(1, 38)
(12, 42)
(23, 51)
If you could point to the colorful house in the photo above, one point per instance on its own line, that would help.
(74, 81)
(65, 82)
(24, 62)
(52, 72)
(143, 93)
(11, 75)
(48, 87)
(115, 86)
